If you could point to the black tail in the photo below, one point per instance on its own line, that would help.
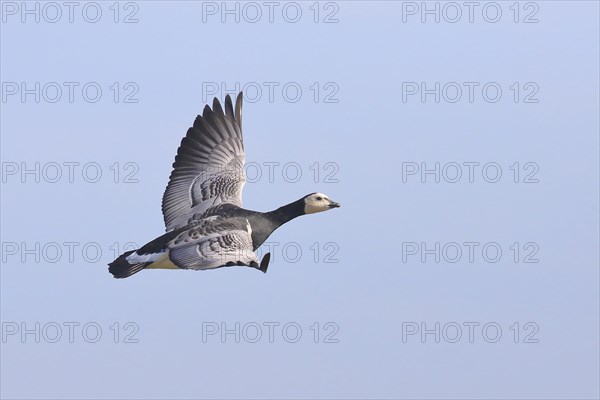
(120, 268)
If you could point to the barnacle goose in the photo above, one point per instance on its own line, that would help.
(206, 226)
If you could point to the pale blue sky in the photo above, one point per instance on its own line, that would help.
(366, 268)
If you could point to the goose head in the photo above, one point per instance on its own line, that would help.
(318, 202)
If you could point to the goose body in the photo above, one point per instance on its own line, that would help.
(207, 227)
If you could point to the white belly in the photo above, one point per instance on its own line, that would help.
(163, 262)
(159, 260)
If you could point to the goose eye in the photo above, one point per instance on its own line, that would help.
(319, 198)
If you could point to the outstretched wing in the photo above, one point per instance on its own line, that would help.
(209, 166)
(196, 248)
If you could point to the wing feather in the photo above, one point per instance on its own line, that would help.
(192, 250)
(209, 166)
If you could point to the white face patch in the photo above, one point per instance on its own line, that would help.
(316, 202)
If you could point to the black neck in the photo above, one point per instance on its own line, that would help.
(287, 212)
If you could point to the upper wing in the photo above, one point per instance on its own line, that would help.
(209, 166)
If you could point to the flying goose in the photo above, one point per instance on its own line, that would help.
(206, 226)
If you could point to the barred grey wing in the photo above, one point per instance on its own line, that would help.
(219, 249)
(209, 166)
